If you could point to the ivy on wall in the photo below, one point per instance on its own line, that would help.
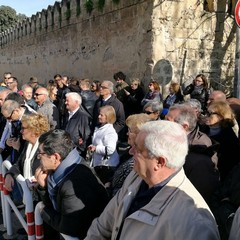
(89, 5)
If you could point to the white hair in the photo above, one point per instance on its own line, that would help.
(166, 139)
(75, 96)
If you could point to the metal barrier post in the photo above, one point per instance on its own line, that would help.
(3, 226)
(39, 221)
(29, 225)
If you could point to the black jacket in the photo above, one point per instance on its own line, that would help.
(80, 199)
(117, 105)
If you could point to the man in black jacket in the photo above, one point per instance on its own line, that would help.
(107, 98)
(77, 122)
(68, 188)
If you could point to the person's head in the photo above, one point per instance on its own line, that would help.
(6, 76)
(12, 84)
(154, 86)
(195, 104)
(11, 110)
(119, 77)
(107, 114)
(216, 95)
(153, 109)
(73, 101)
(52, 91)
(54, 147)
(58, 80)
(27, 92)
(106, 88)
(174, 88)
(159, 150)
(134, 83)
(95, 86)
(134, 123)
(41, 95)
(33, 126)
(85, 84)
(219, 114)
(65, 80)
(3, 95)
(16, 97)
(184, 115)
(201, 80)
(33, 82)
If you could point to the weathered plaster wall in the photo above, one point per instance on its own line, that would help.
(161, 39)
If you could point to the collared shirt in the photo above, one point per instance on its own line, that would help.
(72, 113)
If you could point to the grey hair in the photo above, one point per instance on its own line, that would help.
(110, 85)
(185, 114)
(194, 103)
(155, 105)
(75, 96)
(166, 139)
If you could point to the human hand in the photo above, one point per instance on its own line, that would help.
(41, 177)
(16, 143)
(92, 148)
(9, 182)
(126, 92)
(80, 141)
(10, 141)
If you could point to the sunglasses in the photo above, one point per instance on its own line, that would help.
(38, 94)
(211, 113)
(148, 112)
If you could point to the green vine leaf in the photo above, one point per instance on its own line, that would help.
(100, 4)
(88, 6)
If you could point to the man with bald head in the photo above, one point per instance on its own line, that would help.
(46, 107)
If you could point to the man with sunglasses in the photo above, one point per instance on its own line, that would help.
(46, 107)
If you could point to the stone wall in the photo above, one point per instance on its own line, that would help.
(167, 40)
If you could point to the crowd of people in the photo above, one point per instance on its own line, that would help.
(110, 160)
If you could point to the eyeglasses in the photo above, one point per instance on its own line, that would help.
(9, 83)
(211, 113)
(103, 87)
(38, 94)
(10, 116)
(40, 153)
(148, 112)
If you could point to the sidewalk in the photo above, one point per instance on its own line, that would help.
(16, 226)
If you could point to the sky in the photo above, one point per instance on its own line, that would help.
(28, 7)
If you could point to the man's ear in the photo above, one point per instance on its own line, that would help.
(185, 126)
(57, 158)
(161, 162)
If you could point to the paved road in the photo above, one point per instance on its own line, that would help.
(21, 235)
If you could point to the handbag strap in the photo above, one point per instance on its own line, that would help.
(106, 154)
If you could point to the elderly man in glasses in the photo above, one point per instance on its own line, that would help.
(46, 107)
(72, 194)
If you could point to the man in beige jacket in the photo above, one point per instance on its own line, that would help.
(157, 201)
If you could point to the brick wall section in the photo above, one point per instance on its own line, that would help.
(165, 40)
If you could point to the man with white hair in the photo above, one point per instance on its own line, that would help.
(46, 107)
(108, 98)
(78, 122)
(157, 201)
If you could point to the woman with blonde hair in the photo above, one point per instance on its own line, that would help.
(134, 123)
(33, 126)
(105, 157)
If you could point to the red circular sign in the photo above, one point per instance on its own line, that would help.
(237, 13)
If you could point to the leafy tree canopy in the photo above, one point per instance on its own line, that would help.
(9, 17)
